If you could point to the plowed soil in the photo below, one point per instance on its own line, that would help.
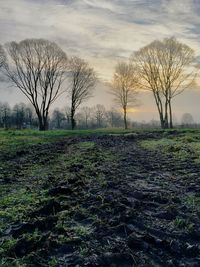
(99, 201)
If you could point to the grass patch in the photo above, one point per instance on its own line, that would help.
(50, 160)
(193, 202)
(86, 145)
(16, 203)
(182, 146)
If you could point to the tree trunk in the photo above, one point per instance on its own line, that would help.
(160, 109)
(170, 115)
(43, 123)
(125, 119)
(166, 121)
(73, 121)
(43, 126)
(46, 125)
(162, 122)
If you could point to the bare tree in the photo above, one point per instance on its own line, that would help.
(2, 56)
(82, 79)
(19, 115)
(5, 115)
(124, 87)
(187, 119)
(163, 69)
(30, 115)
(67, 112)
(99, 114)
(2, 61)
(86, 111)
(37, 68)
(57, 118)
(114, 118)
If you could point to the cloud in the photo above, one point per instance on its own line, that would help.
(101, 31)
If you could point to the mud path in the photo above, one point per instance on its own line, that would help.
(121, 205)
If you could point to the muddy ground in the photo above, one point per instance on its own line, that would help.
(99, 201)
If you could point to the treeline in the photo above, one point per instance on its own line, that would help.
(23, 116)
(87, 118)
(19, 116)
(43, 72)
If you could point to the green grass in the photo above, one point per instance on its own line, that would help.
(12, 141)
(10, 138)
(193, 202)
(16, 203)
(24, 138)
(86, 145)
(19, 198)
(183, 145)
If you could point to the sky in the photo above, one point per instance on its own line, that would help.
(104, 32)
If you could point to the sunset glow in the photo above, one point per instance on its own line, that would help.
(102, 32)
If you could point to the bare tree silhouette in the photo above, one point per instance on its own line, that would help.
(37, 68)
(163, 69)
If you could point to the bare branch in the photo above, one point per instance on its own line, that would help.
(125, 87)
(82, 80)
(37, 68)
(163, 68)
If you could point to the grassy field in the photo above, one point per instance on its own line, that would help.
(16, 139)
(11, 140)
(182, 146)
(66, 196)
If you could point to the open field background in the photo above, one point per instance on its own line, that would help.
(100, 198)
